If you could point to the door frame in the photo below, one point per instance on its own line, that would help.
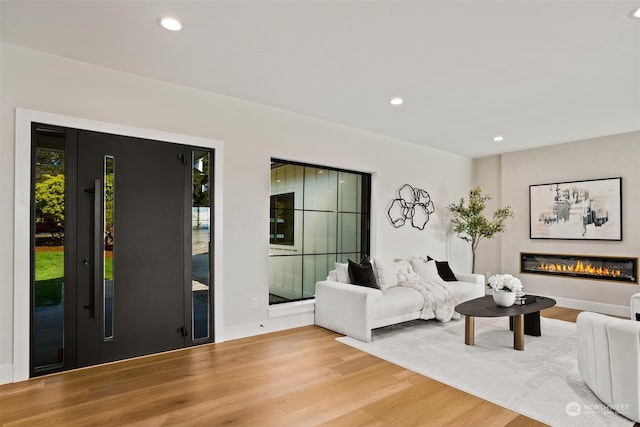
(22, 225)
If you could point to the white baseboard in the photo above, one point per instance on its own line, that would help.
(273, 324)
(291, 308)
(598, 307)
(6, 373)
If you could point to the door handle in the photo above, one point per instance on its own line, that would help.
(85, 263)
(97, 250)
(97, 243)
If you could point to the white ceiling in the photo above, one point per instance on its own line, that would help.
(537, 72)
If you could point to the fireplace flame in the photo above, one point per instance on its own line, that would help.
(580, 268)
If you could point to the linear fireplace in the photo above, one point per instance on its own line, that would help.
(618, 269)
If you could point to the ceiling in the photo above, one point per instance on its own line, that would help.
(537, 72)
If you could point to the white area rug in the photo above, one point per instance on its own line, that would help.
(541, 382)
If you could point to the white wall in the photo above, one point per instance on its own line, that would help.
(252, 134)
(607, 157)
(487, 172)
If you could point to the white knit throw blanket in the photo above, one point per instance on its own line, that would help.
(439, 302)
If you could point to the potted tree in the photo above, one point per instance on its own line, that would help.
(470, 223)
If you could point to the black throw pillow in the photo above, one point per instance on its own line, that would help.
(444, 271)
(362, 274)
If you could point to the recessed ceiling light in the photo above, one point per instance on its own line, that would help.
(635, 14)
(498, 138)
(171, 24)
(396, 101)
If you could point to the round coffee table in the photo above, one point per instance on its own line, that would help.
(523, 318)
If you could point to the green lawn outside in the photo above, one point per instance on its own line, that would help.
(50, 275)
(49, 265)
(49, 278)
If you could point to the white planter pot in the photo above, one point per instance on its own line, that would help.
(504, 298)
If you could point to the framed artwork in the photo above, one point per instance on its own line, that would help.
(576, 210)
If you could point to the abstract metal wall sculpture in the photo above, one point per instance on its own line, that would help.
(412, 204)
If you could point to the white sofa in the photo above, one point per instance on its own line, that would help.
(355, 310)
(609, 359)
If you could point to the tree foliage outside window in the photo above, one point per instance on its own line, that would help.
(108, 204)
(48, 162)
(49, 197)
(200, 186)
(200, 180)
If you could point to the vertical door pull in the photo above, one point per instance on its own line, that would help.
(97, 249)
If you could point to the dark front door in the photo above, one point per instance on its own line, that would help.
(130, 247)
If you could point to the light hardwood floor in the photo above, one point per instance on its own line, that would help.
(298, 377)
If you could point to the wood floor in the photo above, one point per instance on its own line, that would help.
(299, 377)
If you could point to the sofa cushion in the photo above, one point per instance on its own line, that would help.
(386, 272)
(342, 271)
(333, 276)
(425, 269)
(397, 301)
(445, 271)
(362, 274)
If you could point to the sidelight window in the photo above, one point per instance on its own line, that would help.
(48, 273)
(108, 282)
(200, 243)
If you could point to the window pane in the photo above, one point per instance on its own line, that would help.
(320, 232)
(349, 192)
(316, 268)
(281, 219)
(48, 290)
(293, 249)
(286, 178)
(200, 243)
(349, 232)
(320, 186)
(285, 278)
(108, 282)
(345, 257)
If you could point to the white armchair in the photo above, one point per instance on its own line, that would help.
(609, 360)
(635, 307)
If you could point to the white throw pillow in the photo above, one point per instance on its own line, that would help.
(342, 271)
(386, 273)
(405, 271)
(428, 270)
(374, 267)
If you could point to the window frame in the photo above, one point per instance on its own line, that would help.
(363, 211)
